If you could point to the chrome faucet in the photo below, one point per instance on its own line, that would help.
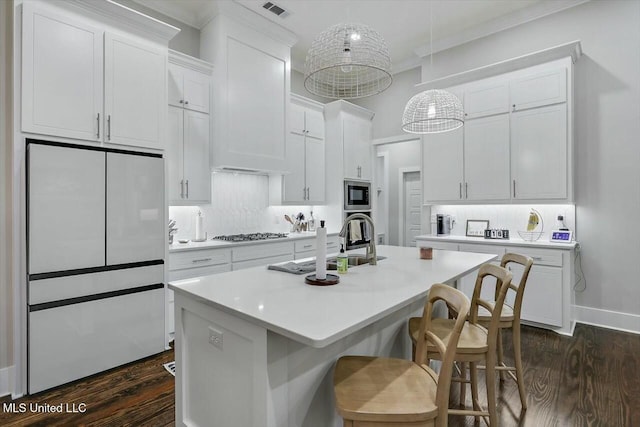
(371, 246)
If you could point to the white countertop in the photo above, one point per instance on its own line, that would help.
(210, 244)
(320, 315)
(508, 242)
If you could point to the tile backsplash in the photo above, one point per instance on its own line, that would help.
(511, 217)
(240, 204)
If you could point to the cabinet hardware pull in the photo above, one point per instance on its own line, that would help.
(202, 260)
(109, 127)
(514, 188)
(304, 193)
(537, 258)
(466, 190)
(514, 108)
(181, 101)
(460, 190)
(182, 188)
(307, 246)
(187, 184)
(98, 120)
(186, 102)
(308, 194)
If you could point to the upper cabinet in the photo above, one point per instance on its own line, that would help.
(349, 136)
(305, 181)
(188, 145)
(252, 85)
(82, 79)
(516, 144)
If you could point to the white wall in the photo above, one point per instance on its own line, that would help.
(389, 105)
(400, 155)
(607, 125)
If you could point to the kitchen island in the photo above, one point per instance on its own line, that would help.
(256, 347)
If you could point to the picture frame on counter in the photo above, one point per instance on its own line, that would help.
(476, 227)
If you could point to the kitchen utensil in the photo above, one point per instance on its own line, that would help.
(288, 219)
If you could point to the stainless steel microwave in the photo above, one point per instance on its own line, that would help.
(357, 195)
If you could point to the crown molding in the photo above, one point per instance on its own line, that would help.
(306, 102)
(190, 62)
(122, 16)
(335, 107)
(174, 10)
(257, 22)
(502, 23)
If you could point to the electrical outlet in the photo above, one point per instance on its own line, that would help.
(215, 338)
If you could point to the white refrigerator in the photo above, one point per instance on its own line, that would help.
(95, 260)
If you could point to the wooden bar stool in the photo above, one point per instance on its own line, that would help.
(510, 318)
(379, 391)
(477, 343)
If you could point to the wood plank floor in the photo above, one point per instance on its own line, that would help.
(591, 379)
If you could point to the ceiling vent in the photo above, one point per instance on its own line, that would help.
(275, 9)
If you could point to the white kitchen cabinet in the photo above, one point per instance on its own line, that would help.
(188, 88)
(252, 86)
(305, 181)
(538, 89)
(247, 256)
(61, 75)
(486, 158)
(189, 175)
(135, 227)
(486, 98)
(357, 147)
(305, 248)
(442, 166)
(548, 293)
(539, 153)
(66, 193)
(134, 100)
(82, 81)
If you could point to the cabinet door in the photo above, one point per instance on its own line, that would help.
(486, 98)
(196, 91)
(175, 76)
(314, 123)
(175, 159)
(357, 148)
(542, 300)
(66, 196)
(486, 158)
(296, 118)
(535, 90)
(442, 166)
(294, 181)
(315, 171)
(134, 90)
(539, 153)
(197, 174)
(61, 75)
(135, 208)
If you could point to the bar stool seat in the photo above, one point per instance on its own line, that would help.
(473, 338)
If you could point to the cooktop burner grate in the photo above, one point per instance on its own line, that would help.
(249, 237)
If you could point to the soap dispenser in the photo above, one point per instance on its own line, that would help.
(311, 223)
(342, 261)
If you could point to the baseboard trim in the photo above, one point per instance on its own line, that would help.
(625, 322)
(6, 380)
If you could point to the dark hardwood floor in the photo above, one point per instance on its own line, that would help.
(590, 379)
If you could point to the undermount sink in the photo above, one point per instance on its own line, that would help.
(353, 260)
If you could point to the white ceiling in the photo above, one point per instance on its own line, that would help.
(404, 24)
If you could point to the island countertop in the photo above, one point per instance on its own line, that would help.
(320, 315)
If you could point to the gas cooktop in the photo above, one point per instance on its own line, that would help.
(249, 237)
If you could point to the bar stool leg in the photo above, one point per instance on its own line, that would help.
(517, 356)
(473, 375)
(501, 355)
(463, 384)
(491, 388)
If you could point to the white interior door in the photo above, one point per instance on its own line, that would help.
(66, 196)
(412, 207)
(135, 208)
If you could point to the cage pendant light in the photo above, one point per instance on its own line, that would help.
(347, 61)
(434, 110)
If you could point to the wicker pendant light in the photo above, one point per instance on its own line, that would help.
(435, 110)
(348, 61)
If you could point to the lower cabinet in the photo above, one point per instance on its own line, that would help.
(306, 248)
(547, 297)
